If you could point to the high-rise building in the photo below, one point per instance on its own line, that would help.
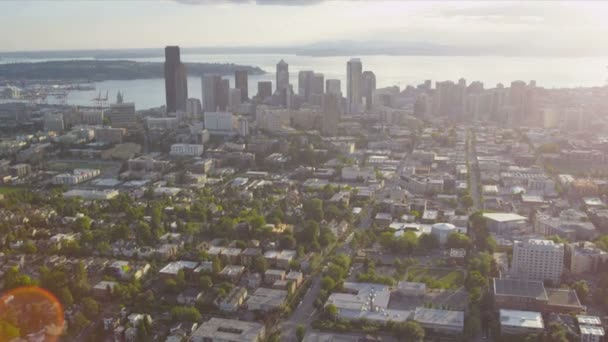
(210, 86)
(222, 94)
(450, 99)
(353, 85)
(538, 260)
(317, 85)
(282, 75)
(122, 115)
(305, 83)
(333, 87)
(234, 99)
(331, 114)
(240, 82)
(368, 88)
(176, 80)
(194, 108)
(264, 89)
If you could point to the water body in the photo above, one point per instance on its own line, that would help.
(549, 72)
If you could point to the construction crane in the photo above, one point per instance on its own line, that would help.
(101, 101)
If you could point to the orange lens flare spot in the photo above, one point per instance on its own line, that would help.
(33, 310)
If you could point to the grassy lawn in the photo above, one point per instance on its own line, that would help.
(5, 190)
(436, 278)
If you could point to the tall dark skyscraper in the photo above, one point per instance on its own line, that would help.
(240, 82)
(176, 80)
(282, 76)
(368, 87)
(264, 89)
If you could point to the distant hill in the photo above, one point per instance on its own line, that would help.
(101, 70)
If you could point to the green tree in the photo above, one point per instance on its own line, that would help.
(185, 313)
(313, 209)
(206, 282)
(428, 241)
(90, 307)
(409, 331)
(328, 283)
(79, 322)
(557, 333)
(287, 242)
(331, 311)
(260, 264)
(459, 240)
(467, 201)
(311, 231)
(82, 223)
(582, 290)
(300, 332)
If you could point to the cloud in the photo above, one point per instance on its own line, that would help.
(246, 2)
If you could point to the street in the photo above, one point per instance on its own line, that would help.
(473, 176)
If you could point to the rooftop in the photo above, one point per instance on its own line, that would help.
(591, 330)
(563, 297)
(228, 330)
(588, 320)
(439, 317)
(504, 217)
(521, 319)
(521, 288)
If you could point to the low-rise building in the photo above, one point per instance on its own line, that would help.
(187, 150)
(223, 330)
(271, 276)
(585, 257)
(440, 321)
(515, 322)
(233, 300)
(265, 299)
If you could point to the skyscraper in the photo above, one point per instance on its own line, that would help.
(368, 87)
(209, 87)
(240, 82)
(176, 80)
(331, 114)
(353, 85)
(317, 85)
(305, 83)
(282, 75)
(264, 89)
(333, 87)
(222, 93)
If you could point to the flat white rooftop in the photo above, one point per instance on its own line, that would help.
(504, 217)
(521, 319)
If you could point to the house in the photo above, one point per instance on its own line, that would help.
(253, 280)
(249, 255)
(233, 300)
(232, 272)
(264, 299)
(280, 259)
(287, 285)
(173, 268)
(295, 276)
(189, 296)
(271, 276)
(104, 289)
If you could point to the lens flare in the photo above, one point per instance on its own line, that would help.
(33, 310)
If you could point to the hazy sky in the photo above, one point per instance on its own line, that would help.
(556, 27)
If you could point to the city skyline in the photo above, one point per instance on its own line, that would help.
(495, 28)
